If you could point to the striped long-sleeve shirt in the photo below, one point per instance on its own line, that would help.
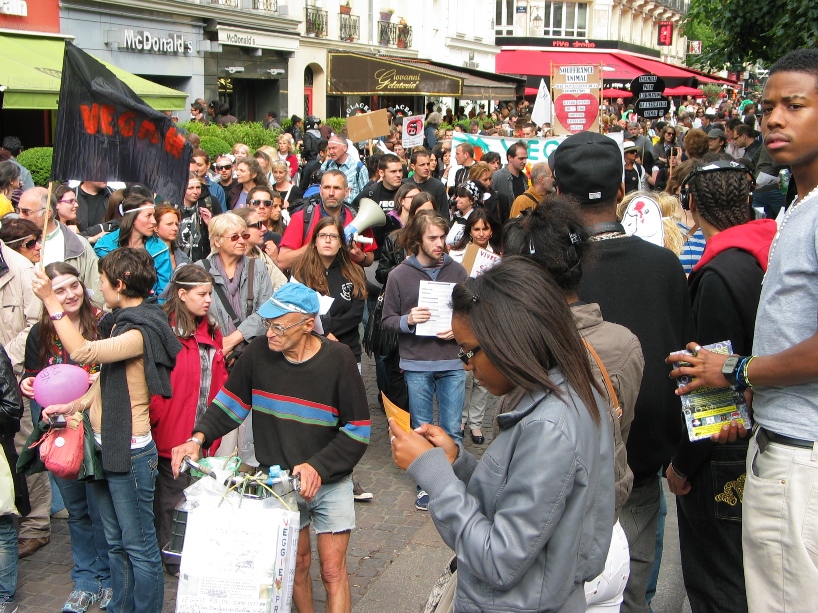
(314, 412)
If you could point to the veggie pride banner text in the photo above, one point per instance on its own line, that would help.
(105, 132)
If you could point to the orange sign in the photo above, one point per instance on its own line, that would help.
(31, 15)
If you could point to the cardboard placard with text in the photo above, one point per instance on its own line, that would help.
(575, 91)
(366, 126)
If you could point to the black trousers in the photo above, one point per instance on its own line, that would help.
(710, 532)
(167, 494)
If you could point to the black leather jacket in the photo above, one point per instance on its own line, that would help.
(392, 254)
(11, 404)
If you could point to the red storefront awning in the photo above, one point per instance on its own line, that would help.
(616, 66)
(538, 63)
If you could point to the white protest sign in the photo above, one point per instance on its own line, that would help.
(412, 135)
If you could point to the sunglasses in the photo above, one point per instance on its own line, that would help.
(223, 166)
(265, 204)
(465, 356)
(236, 237)
(259, 225)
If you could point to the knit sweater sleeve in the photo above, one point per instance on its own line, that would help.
(232, 404)
(346, 449)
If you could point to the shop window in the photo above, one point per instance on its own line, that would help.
(504, 18)
(566, 19)
(308, 77)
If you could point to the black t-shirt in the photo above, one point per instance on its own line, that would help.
(385, 197)
(92, 207)
(632, 182)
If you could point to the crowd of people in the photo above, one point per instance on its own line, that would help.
(235, 321)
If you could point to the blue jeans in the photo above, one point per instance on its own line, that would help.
(8, 556)
(450, 388)
(89, 548)
(653, 581)
(125, 503)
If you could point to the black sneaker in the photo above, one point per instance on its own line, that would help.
(359, 494)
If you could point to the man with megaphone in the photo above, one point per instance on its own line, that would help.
(334, 191)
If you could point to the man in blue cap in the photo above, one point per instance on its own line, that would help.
(318, 432)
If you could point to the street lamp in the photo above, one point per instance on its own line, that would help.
(537, 21)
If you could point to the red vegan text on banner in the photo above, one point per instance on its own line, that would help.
(665, 38)
(105, 132)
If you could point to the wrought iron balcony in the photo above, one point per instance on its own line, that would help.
(315, 22)
(677, 5)
(350, 27)
(394, 35)
(257, 5)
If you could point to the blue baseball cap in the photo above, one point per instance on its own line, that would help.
(290, 298)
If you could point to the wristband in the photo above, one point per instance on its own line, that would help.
(676, 472)
(193, 439)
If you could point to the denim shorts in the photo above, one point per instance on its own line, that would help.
(332, 509)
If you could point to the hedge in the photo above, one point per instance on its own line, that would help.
(215, 146)
(38, 162)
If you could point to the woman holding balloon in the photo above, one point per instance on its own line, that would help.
(91, 573)
(135, 363)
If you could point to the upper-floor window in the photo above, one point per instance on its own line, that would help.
(504, 18)
(566, 19)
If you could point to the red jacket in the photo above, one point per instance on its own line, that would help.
(172, 419)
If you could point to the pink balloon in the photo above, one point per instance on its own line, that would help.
(60, 384)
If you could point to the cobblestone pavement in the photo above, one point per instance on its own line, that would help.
(384, 528)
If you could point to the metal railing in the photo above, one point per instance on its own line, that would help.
(315, 22)
(394, 35)
(349, 27)
(677, 5)
(266, 5)
(257, 5)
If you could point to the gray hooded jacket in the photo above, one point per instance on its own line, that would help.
(531, 522)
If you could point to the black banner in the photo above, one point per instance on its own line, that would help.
(105, 132)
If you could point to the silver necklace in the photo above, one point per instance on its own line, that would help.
(796, 203)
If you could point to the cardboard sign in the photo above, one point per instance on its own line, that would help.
(575, 91)
(412, 131)
(368, 125)
(477, 260)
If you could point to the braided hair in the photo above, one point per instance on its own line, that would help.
(554, 236)
(722, 198)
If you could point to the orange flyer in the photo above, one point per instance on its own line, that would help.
(400, 416)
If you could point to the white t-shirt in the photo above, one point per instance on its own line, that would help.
(54, 248)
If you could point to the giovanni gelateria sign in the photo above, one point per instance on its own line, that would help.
(353, 73)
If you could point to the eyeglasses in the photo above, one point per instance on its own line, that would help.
(465, 356)
(223, 166)
(280, 330)
(71, 201)
(325, 235)
(236, 237)
(29, 212)
(259, 225)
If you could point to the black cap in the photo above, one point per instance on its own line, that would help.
(588, 166)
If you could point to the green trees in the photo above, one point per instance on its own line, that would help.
(750, 32)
